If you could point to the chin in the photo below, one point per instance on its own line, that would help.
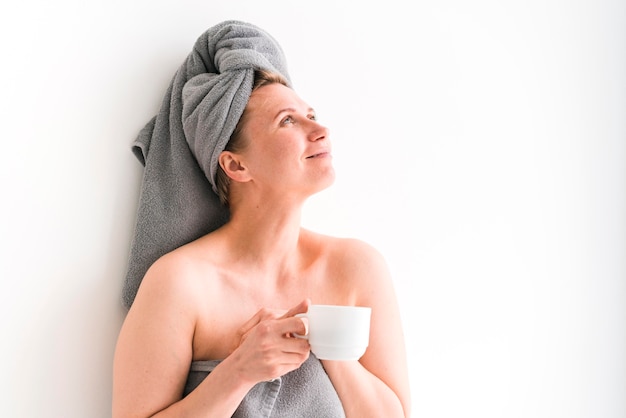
(325, 181)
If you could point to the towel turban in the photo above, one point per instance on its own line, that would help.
(180, 146)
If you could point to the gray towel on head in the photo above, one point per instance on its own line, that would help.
(306, 392)
(179, 147)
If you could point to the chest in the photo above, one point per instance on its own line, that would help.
(232, 303)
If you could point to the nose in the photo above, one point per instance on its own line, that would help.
(317, 131)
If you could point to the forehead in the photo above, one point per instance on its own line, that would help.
(272, 98)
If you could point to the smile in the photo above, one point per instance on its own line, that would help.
(321, 154)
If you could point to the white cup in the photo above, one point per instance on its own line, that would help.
(338, 332)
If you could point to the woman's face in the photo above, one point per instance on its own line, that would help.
(286, 150)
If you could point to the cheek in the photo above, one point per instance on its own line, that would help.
(282, 152)
(272, 162)
(286, 154)
(273, 154)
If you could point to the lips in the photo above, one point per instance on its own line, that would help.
(319, 154)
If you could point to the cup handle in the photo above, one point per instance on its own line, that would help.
(303, 337)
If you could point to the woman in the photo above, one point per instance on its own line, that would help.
(232, 295)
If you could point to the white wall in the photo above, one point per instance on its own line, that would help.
(479, 145)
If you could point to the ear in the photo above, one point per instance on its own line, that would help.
(233, 166)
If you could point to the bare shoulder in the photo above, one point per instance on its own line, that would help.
(171, 277)
(358, 264)
(350, 253)
(366, 281)
(179, 284)
(155, 343)
(345, 245)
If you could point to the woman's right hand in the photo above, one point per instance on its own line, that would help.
(266, 348)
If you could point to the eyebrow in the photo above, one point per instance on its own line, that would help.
(291, 110)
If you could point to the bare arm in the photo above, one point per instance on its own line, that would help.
(377, 385)
(154, 352)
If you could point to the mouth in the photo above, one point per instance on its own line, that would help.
(319, 155)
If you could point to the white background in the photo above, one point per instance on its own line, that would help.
(479, 145)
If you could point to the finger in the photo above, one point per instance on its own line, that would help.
(247, 326)
(257, 318)
(296, 346)
(305, 321)
(261, 315)
(301, 307)
(292, 325)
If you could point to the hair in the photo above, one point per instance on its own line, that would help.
(236, 143)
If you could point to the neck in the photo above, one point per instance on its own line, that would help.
(265, 236)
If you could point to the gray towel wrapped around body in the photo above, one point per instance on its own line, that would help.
(179, 147)
(306, 392)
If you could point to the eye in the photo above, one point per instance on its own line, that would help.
(287, 120)
(313, 117)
